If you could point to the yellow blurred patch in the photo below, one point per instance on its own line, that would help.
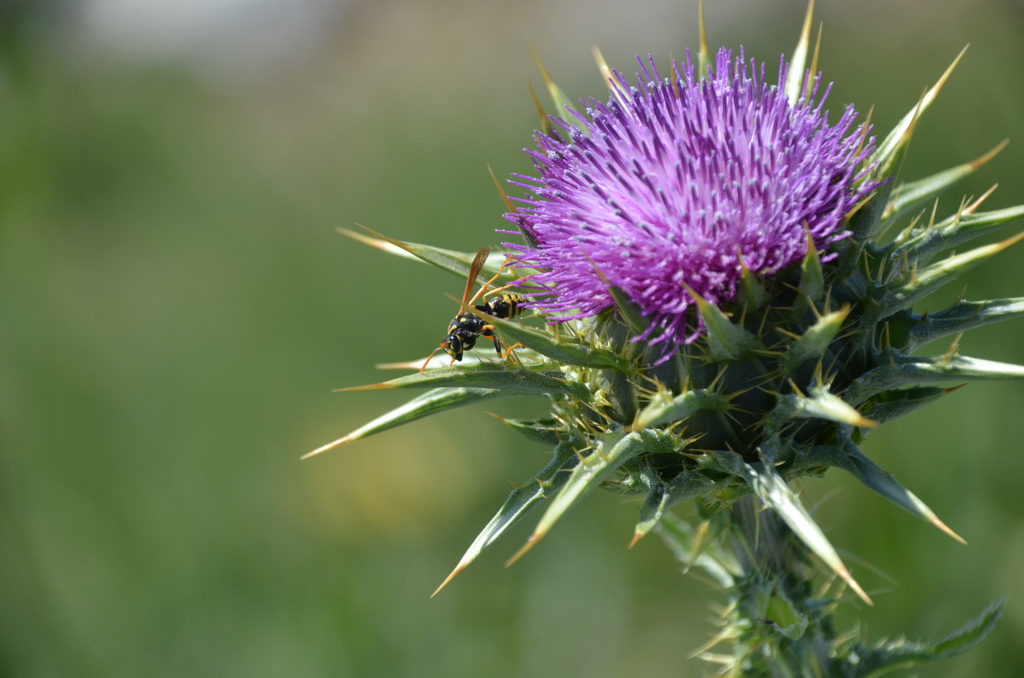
(395, 483)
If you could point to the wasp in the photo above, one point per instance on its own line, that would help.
(467, 326)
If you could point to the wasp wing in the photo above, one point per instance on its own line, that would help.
(474, 270)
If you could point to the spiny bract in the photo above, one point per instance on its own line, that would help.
(728, 284)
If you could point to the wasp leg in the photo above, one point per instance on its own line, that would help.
(511, 348)
(491, 293)
(488, 331)
(483, 290)
(514, 283)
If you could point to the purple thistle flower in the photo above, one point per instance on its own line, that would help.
(681, 183)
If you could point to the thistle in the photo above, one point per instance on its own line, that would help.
(727, 278)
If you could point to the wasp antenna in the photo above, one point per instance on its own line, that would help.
(429, 358)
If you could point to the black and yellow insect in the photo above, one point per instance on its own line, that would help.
(467, 326)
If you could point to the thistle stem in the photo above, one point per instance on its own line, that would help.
(779, 625)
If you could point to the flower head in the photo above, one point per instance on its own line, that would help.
(681, 183)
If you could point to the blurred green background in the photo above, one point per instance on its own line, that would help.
(176, 308)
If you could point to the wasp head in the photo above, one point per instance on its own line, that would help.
(453, 346)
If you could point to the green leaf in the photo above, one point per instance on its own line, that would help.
(670, 374)
(915, 194)
(519, 381)
(448, 260)
(771, 489)
(887, 151)
(689, 485)
(681, 488)
(547, 128)
(651, 512)
(431, 402)
(875, 478)
(812, 280)
(955, 231)
(663, 409)
(623, 397)
(682, 540)
(962, 317)
(563, 105)
(547, 431)
(787, 619)
(522, 500)
(610, 79)
(724, 462)
(726, 340)
(610, 452)
(814, 342)
(904, 370)
(798, 64)
(902, 294)
(752, 295)
(890, 405)
(884, 483)
(901, 654)
(821, 405)
(629, 311)
(563, 351)
(703, 55)
(865, 221)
